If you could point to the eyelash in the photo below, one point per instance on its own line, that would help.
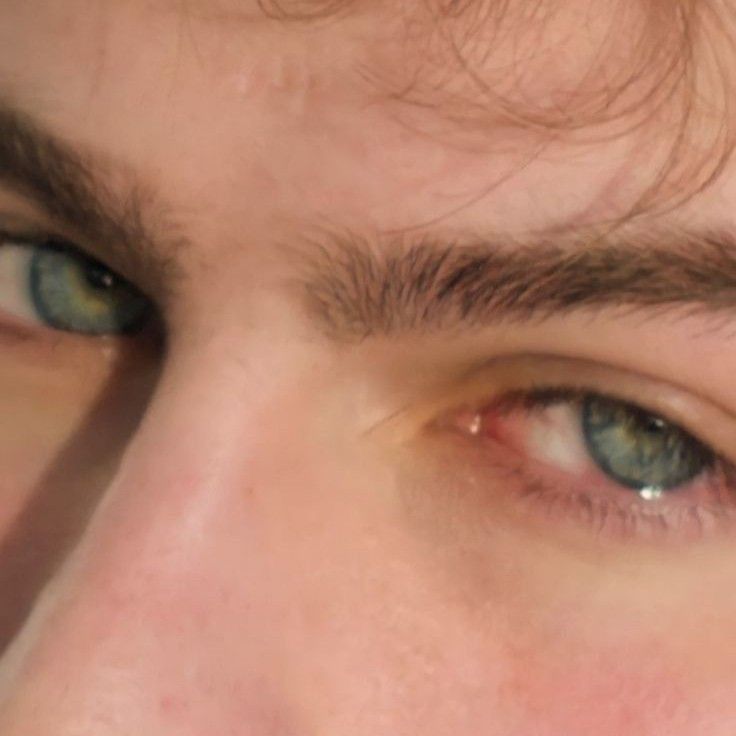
(558, 501)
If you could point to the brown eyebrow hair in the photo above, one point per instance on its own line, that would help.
(355, 291)
(87, 195)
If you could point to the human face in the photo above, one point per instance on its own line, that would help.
(316, 493)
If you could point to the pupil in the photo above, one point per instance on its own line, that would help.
(654, 425)
(98, 277)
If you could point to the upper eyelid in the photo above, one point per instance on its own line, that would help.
(708, 422)
(40, 239)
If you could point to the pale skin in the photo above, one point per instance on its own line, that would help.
(261, 529)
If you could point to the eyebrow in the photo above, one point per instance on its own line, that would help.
(75, 190)
(355, 290)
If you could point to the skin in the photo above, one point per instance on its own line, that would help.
(207, 538)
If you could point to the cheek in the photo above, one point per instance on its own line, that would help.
(369, 642)
(381, 615)
(66, 408)
(623, 649)
(628, 689)
(65, 421)
(561, 640)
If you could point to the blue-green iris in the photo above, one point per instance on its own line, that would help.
(75, 293)
(638, 449)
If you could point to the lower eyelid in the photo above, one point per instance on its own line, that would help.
(630, 522)
(576, 497)
(610, 513)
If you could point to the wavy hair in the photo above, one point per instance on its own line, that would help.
(658, 68)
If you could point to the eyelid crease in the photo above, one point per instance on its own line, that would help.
(709, 423)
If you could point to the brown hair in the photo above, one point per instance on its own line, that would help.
(647, 61)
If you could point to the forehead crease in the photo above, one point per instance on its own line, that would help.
(308, 10)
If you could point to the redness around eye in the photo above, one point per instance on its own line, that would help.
(545, 452)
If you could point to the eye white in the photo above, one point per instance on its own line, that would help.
(15, 294)
(555, 437)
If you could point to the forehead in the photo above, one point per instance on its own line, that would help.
(229, 104)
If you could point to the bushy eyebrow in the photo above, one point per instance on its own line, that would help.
(355, 291)
(81, 193)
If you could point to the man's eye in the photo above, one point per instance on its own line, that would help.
(61, 288)
(640, 450)
(584, 457)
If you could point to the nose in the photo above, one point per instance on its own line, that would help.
(160, 619)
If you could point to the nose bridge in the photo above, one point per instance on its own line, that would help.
(144, 610)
